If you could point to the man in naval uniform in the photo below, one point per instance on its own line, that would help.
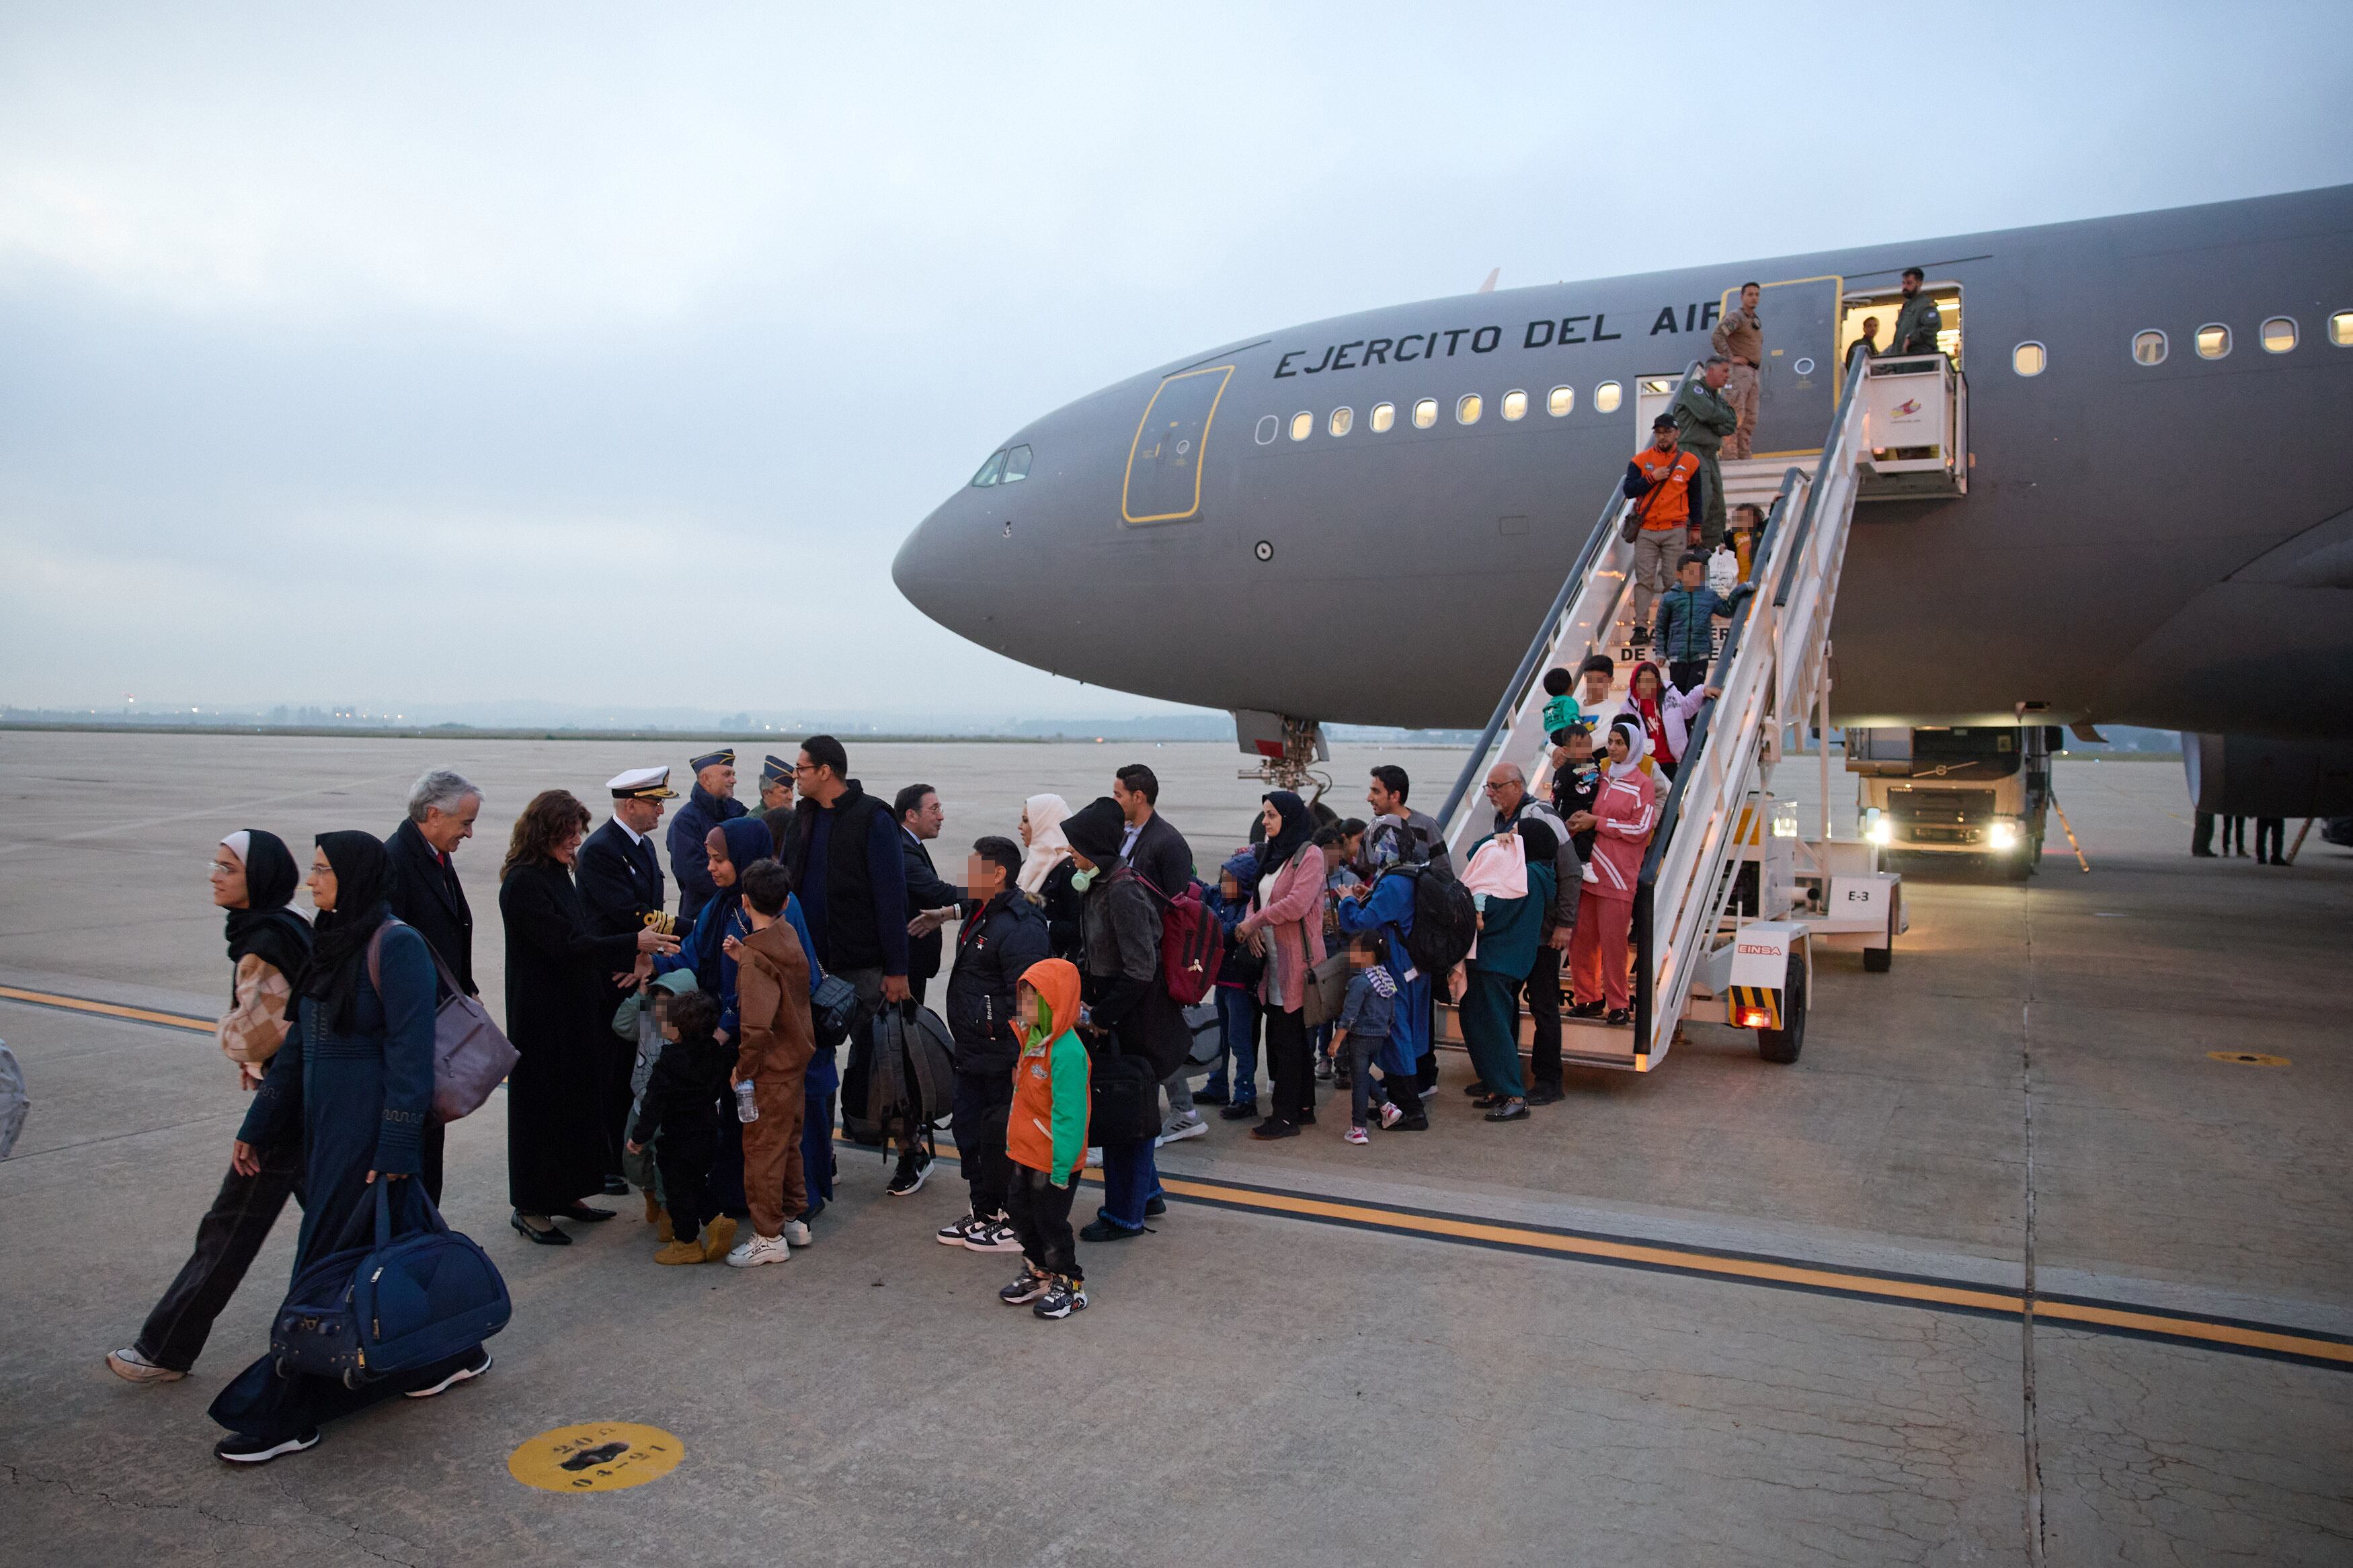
(621, 882)
(710, 802)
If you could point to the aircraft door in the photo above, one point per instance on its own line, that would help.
(1164, 462)
(1798, 386)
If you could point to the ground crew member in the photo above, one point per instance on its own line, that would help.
(1866, 345)
(1740, 338)
(1660, 479)
(1917, 324)
(1703, 420)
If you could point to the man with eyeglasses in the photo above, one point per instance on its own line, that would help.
(1507, 792)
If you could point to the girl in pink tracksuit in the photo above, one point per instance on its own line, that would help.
(1625, 812)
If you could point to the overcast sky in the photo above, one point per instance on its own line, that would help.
(437, 354)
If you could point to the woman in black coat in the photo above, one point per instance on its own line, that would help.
(555, 1016)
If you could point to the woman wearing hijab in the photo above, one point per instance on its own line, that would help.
(351, 1088)
(1046, 871)
(1625, 812)
(556, 1016)
(1286, 925)
(253, 876)
(1125, 994)
(720, 927)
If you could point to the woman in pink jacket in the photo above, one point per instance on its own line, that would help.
(1625, 812)
(1288, 907)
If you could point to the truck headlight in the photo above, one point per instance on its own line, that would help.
(1879, 830)
(2002, 836)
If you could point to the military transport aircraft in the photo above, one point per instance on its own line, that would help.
(2124, 495)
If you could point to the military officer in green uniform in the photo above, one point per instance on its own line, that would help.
(1703, 419)
(1917, 324)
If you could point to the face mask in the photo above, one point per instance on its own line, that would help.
(1080, 880)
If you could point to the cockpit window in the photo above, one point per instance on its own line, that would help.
(990, 471)
(1017, 465)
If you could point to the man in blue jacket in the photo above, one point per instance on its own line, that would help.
(712, 802)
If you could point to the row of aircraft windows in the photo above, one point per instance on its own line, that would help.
(1468, 409)
(2212, 341)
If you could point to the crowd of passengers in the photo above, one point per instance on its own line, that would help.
(1100, 991)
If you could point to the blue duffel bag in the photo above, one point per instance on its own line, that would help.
(366, 1312)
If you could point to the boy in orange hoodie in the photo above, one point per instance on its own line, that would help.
(1046, 1140)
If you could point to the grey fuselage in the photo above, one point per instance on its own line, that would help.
(2166, 545)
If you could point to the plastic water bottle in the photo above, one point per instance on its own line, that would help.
(747, 1108)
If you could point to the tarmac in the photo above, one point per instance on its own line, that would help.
(2020, 1263)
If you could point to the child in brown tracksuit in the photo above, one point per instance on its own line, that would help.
(772, 992)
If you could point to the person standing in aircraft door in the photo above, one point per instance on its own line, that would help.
(1917, 324)
(1660, 476)
(1740, 338)
(1703, 420)
(1866, 345)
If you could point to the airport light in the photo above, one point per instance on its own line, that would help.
(1879, 830)
(2003, 836)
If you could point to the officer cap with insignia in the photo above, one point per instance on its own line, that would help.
(641, 783)
(723, 758)
(774, 769)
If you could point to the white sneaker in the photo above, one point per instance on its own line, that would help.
(758, 1250)
(796, 1233)
(128, 1364)
(1179, 1127)
(995, 1236)
(1095, 1159)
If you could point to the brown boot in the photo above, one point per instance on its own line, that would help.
(654, 1215)
(680, 1252)
(717, 1238)
(662, 1229)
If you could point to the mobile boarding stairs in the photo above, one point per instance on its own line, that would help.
(1733, 903)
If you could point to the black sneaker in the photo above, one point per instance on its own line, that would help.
(1545, 1094)
(1209, 1097)
(1062, 1298)
(1028, 1288)
(616, 1188)
(1585, 1010)
(472, 1367)
(1274, 1127)
(1101, 1229)
(1154, 1207)
(1342, 1077)
(959, 1232)
(1239, 1110)
(1474, 1089)
(909, 1177)
(1509, 1110)
(1416, 1123)
(241, 1450)
(1618, 1017)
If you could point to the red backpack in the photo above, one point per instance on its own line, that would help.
(1192, 943)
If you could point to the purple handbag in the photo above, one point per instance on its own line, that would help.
(470, 1057)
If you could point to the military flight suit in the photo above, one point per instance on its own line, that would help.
(1740, 338)
(1703, 419)
(1916, 326)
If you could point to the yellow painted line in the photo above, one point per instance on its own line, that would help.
(2249, 1059)
(108, 1009)
(1771, 1273)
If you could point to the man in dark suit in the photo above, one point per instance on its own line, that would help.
(426, 894)
(1152, 847)
(919, 819)
(621, 882)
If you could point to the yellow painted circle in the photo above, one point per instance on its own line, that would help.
(596, 1456)
(2248, 1059)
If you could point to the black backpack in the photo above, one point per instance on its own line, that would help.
(1444, 919)
(1125, 1095)
(910, 1072)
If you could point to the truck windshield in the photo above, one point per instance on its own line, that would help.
(1965, 753)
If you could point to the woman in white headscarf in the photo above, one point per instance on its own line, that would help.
(1046, 871)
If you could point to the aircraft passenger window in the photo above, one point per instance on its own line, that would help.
(1562, 400)
(2279, 335)
(1606, 397)
(2340, 329)
(1468, 407)
(1425, 414)
(2148, 347)
(1302, 424)
(1343, 421)
(1268, 427)
(1384, 417)
(2214, 341)
(990, 469)
(1515, 405)
(2027, 359)
(1017, 466)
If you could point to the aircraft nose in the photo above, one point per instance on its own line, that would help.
(953, 566)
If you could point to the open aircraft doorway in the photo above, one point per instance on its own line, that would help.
(1881, 306)
(1164, 462)
(1797, 385)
